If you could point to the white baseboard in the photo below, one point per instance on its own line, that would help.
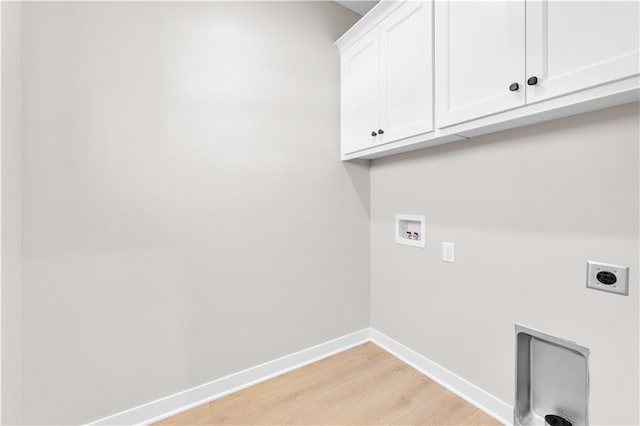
(181, 401)
(486, 402)
(190, 398)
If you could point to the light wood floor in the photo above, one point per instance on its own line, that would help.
(364, 385)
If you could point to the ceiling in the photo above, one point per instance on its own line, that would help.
(359, 6)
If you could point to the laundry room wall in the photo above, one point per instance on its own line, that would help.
(11, 214)
(526, 209)
(185, 212)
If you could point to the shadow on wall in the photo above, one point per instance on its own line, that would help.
(540, 177)
(358, 171)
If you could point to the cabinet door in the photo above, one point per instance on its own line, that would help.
(360, 98)
(406, 67)
(479, 55)
(574, 45)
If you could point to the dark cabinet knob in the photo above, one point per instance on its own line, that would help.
(532, 81)
(374, 134)
(514, 87)
(380, 131)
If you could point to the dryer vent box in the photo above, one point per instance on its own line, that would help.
(552, 380)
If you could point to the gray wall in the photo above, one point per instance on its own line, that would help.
(185, 215)
(526, 209)
(11, 214)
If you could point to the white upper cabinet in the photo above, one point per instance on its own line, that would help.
(490, 65)
(406, 72)
(575, 45)
(387, 79)
(480, 58)
(360, 96)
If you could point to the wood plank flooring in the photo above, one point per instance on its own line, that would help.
(362, 386)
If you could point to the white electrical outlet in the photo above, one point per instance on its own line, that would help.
(448, 252)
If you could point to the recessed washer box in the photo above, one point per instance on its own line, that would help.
(410, 230)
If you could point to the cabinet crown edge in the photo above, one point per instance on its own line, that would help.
(367, 23)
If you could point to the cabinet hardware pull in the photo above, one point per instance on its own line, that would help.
(514, 87)
(532, 81)
(380, 131)
(374, 134)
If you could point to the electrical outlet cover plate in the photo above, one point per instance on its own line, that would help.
(608, 272)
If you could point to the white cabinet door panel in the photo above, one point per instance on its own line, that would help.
(574, 45)
(406, 67)
(480, 52)
(360, 98)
